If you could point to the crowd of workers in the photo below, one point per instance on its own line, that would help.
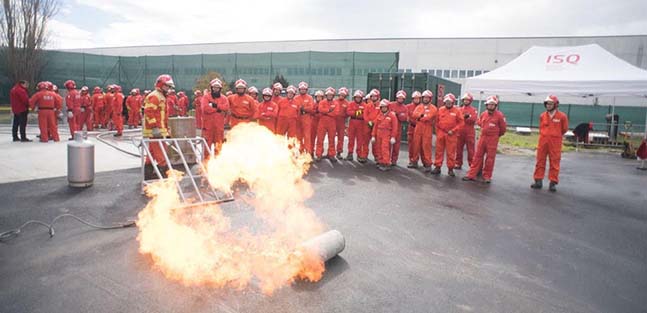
(370, 122)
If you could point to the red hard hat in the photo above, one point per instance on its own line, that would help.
(358, 93)
(49, 85)
(181, 93)
(41, 86)
(84, 89)
(468, 96)
(240, 84)
(117, 88)
(291, 89)
(164, 79)
(330, 91)
(375, 92)
(492, 99)
(428, 93)
(197, 92)
(319, 93)
(215, 83)
(69, 84)
(303, 85)
(553, 99)
(96, 89)
(384, 102)
(401, 94)
(277, 85)
(449, 97)
(416, 94)
(267, 92)
(252, 89)
(343, 91)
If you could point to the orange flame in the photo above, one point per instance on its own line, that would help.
(199, 245)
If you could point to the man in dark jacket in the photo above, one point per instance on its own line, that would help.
(19, 99)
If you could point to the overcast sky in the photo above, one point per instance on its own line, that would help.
(101, 23)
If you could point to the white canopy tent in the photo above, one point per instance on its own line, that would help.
(582, 71)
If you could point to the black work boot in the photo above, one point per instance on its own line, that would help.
(339, 156)
(450, 172)
(436, 170)
(427, 169)
(350, 157)
(552, 187)
(412, 165)
(537, 185)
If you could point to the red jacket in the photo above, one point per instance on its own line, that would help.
(118, 103)
(470, 121)
(44, 100)
(19, 99)
(493, 124)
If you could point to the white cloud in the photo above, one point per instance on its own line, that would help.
(64, 35)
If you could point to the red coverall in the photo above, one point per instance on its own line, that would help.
(45, 100)
(327, 126)
(58, 107)
(268, 111)
(134, 107)
(107, 113)
(493, 126)
(410, 130)
(466, 135)
(307, 105)
(183, 105)
(386, 127)
(340, 123)
(448, 120)
(171, 105)
(73, 103)
(197, 105)
(117, 112)
(357, 129)
(213, 120)
(287, 118)
(243, 109)
(99, 104)
(155, 117)
(551, 130)
(315, 124)
(369, 116)
(85, 118)
(425, 117)
(401, 113)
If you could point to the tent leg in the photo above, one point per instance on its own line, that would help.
(614, 136)
(478, 115)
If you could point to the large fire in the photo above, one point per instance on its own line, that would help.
(200, 246)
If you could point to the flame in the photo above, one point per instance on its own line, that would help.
(199, 245)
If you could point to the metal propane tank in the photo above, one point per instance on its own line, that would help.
(80, 161)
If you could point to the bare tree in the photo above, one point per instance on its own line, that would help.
(23, 35)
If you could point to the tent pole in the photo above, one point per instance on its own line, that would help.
(478, 115)
(613, 113)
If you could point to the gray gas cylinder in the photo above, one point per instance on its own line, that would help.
(80, 161)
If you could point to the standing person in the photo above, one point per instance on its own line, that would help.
(108, 98)
(268, 111)
(493, 125)
(384, 133)
(19, 99)
(214, 109)
(58, 104)
(99, 104)
(73, 104)
(277, 88)
(182, 103)
(425, 115)
(118, 110)
(553, 124)
(306, 105)
(401, 113)
(197, 106)
(467, 134)
(411, 127)
(242, 107)
(45, 101)
(318, 97)
(171, 103)
(156, 124)
(340, 120)
(450, 120)
(357, 128)
(87, 112)
(327, 125)
(372, 111)
(132, 103)
(288, 114)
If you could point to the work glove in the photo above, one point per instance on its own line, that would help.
(157, 133)
(60, 115)
(212, 105)
(370, 124)
(450, 133)
(392, 141)
(372, 139)
(70, 114)
(82, 110)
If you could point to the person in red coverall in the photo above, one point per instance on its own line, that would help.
(117, 111)
(401, 113)
(357, 127)
(318, 97)
(450, 121)
(372, 111)
(553, 124)
(384, 132)
(424, 115)
(242, 107)
(340, 120)
(19, 99)
(86, 115)
(156, 124)
(306, 105)
(182, 103)
(327, 125)
(99, 106)
(58, 103)
(411, 127)
(214, 108)
(493, 125)
(467, 134)
(253, 93)
(133, 106)
(73, 104)
(45, 101)
(268, 111)
(276, 93)
(197, 106)
(107, 112)
(288, 114)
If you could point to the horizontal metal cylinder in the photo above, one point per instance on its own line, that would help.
(327, 245)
